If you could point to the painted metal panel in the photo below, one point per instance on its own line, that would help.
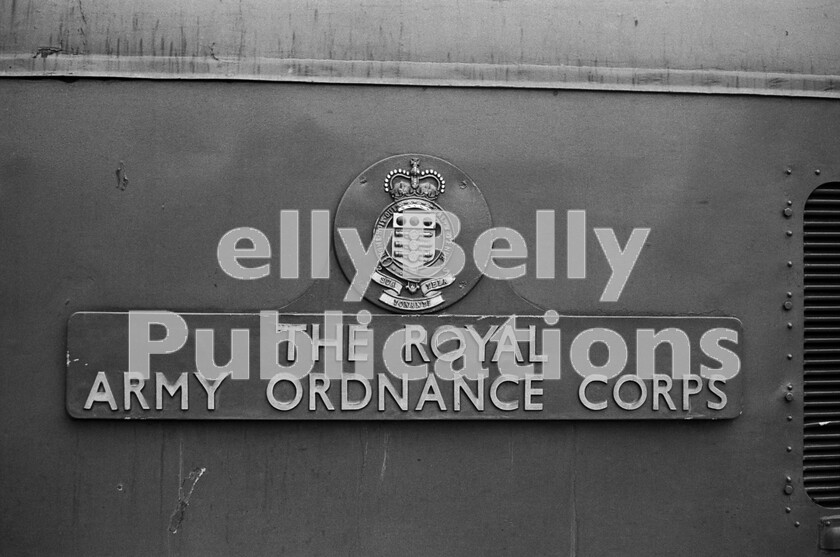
(780, 47)
(113, 195)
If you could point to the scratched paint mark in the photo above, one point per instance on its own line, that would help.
(184, 495)
(573, 526)
(122, 177)
(384, 466)
(44, 51)
(82, 13)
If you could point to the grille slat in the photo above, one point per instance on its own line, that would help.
(816, 468)
(821, 354)
(825, 414)
(832, 456)
(822, 488)
(822, 383)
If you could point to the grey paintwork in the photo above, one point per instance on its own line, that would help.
(757, 46)
(707, 174)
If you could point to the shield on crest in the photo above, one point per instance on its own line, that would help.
(413, 240)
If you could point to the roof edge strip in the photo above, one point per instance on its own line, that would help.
(424, 74)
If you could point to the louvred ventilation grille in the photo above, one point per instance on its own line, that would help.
(821, 459)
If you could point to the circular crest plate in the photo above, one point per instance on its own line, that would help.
(421, 215)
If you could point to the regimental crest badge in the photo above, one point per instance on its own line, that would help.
(413, 264)
(421, 268)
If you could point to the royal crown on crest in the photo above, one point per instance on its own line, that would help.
(427, 184)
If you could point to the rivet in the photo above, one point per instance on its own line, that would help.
(790, 356)
(789, 387)
(788, 489)
(788, 212)
(788, 305)
(789, 397)
(788, 479)
(789, 202)
(790, 418)
(796, 524)
(789, 449)
(790, 263)
(788, 171)
(787, 509)
(817, 171)
(789, 233)
(789, 294)
(790, 325)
